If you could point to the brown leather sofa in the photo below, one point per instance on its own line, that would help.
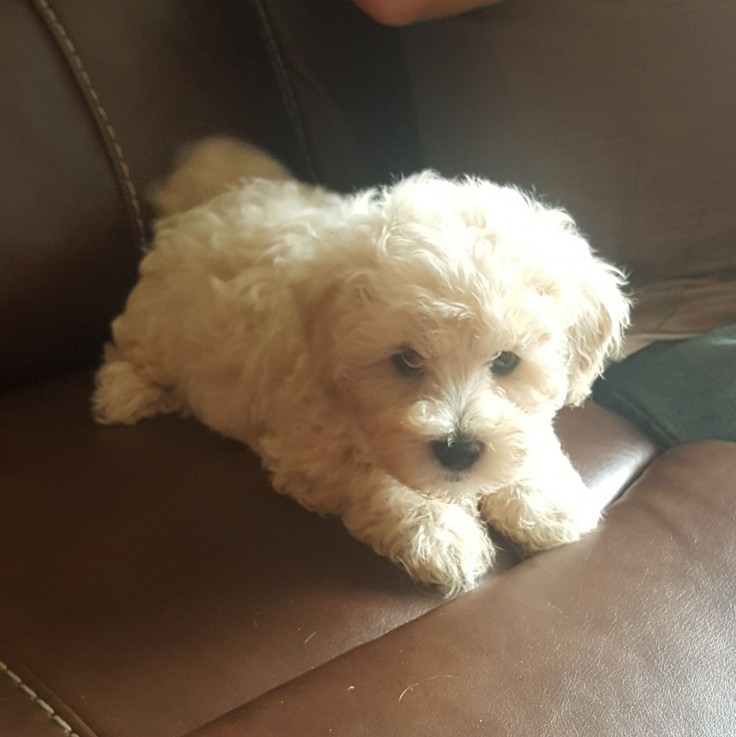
(151, 584)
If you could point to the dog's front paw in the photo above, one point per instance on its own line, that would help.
(449, 549)
(539, 520)
(437, 543)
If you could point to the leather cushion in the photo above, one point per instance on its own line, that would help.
(152, 581)
(629, 632)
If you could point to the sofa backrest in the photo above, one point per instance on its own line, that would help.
(623, 112)
(96, 98)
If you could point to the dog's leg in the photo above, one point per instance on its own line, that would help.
(549, 506)
(437, 542)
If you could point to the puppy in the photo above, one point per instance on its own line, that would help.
(395, 356)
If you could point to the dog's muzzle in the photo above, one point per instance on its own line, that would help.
(457, 453)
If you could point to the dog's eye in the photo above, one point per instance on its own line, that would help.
(504, 363)
(408, 362)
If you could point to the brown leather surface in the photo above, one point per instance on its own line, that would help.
(153, 581)
(153, 571)
(609, 453)
(64, 241)
(97, 97)
(27, 710)
(622, 112)
(630, 632)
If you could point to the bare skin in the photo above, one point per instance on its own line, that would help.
(405, 12)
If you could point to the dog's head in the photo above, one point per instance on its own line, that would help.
(451, 319)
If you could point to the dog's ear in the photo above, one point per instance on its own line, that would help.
(599, 312)
(314, 300)
(328, 306)
(589, 295)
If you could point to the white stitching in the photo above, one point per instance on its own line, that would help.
(36, 699)
(117, 150)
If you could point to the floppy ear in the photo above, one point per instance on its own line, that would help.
(600, 314)
(329, 306)
(315, 300)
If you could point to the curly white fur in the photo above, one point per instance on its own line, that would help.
(275, 312)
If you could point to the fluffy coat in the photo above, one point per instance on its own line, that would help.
(395, 356)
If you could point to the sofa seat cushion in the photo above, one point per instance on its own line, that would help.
(629, 632)
(151, 580)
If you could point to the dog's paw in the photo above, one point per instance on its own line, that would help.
(440, 544)
(123, 396)
(437, 543)
(450, 549)
(538, 520)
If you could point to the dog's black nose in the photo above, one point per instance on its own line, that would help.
(457, 453)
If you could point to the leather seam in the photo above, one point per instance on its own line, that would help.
(286, 87)
(38, 701)
(101, 119)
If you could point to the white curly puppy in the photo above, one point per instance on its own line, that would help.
(396, 356)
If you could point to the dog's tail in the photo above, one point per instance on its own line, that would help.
(208, 168)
